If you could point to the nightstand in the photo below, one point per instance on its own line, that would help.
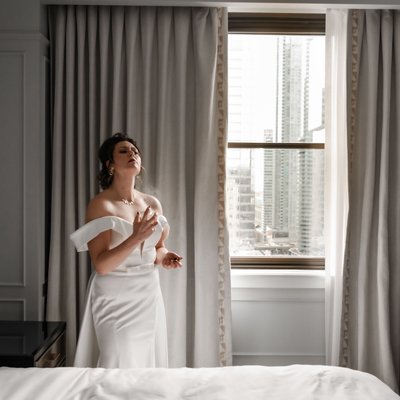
(32, 344)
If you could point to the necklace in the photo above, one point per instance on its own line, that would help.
(128, 203)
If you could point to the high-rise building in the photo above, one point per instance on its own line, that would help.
(275, 196)
(290, 100)
(263, 199)
(293, 179)
(240, 185)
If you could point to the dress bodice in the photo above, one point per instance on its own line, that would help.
(121, 230)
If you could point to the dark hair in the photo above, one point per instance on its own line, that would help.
(105, 155)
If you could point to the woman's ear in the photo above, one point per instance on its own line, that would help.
(110, 168)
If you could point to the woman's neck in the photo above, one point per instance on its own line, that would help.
(123, 187)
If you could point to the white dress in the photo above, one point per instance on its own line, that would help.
(124, 323)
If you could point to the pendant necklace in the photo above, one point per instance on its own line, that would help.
(127, 202)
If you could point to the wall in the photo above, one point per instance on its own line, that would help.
(22, 16)
(278, 317)
(23, 124)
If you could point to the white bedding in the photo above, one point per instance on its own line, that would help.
(230, 383)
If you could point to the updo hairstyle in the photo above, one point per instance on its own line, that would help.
(105, 155)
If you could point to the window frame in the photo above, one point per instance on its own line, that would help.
(276, 24)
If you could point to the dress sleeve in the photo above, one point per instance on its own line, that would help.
(89, 231)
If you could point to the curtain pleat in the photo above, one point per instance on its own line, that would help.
(150, 72)
(371, 313)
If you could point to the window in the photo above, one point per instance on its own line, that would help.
(276, 135)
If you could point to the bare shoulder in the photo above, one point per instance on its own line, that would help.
(153, 202)
(99, 206)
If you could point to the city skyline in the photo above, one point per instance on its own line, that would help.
(275, 197)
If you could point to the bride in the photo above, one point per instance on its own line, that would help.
(124, 322)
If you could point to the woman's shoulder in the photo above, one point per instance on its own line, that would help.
(99, 206)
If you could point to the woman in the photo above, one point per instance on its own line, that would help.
(125, 233)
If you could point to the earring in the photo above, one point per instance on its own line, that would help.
(111, 171)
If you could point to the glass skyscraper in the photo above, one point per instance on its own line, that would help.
(275, 196)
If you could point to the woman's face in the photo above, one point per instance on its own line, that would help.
(126, 156)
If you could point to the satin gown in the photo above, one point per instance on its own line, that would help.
(124, 323)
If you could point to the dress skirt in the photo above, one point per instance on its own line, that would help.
(128, 317)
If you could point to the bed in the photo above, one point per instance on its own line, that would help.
(229, 383)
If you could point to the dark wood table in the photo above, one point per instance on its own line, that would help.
(32, 344)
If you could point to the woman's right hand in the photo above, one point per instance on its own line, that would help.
(143, 226)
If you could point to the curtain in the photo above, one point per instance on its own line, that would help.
(158, 74)
(336, 187)
(371, 310)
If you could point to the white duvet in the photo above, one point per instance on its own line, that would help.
(298, 382)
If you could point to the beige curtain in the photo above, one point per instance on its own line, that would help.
(371, 307)
(158, 74)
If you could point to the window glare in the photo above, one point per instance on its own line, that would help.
(275, 80)
(276, 95)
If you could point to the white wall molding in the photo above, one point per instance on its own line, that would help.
(271, 354)
(24, 35)
(289, 279)
(13, 71)
(278, 317)
(279, 295)
(278, 359)
(22, 211)
(13, 309)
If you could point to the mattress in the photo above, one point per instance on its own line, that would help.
(298, 382)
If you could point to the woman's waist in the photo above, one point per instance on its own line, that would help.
(133, 269)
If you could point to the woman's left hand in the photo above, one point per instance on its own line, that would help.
(172, 260)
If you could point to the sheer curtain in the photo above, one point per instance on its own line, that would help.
(336, 187)
(371, 309)
(159, 74)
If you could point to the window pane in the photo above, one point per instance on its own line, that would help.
(276, 88)
(275, 202)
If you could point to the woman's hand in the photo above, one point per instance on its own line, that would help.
(143, 226)
(171, 260)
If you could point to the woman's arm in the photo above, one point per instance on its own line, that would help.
(167, 259)
(161, 250)
(105, 259)
(164, 257)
